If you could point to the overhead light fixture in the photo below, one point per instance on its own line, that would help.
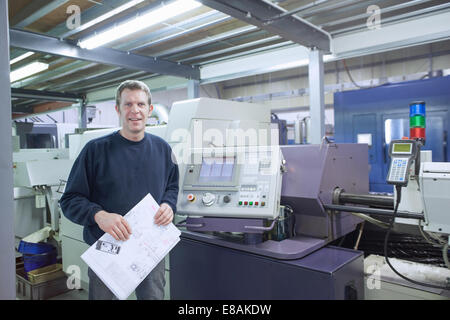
(102, 18)
(27, 70)
(162, 13)
(21, 57)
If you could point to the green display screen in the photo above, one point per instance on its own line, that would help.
(402, 147)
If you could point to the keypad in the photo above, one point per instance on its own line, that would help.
(398, 169)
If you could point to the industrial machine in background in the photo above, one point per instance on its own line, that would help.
(41, 166)
(35, 135)
(420, 200)
(377, 116)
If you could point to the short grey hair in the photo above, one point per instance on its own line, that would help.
(133, 85)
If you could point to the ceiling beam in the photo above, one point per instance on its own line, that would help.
(393, 36)
(22, 113)
(41, 43)
(44, 95)
(50, 106)
(267, 16)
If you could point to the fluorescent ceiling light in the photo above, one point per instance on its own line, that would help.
(153, 17)
(21, 57)
(28, 70)
(102, 18)
(296, 64)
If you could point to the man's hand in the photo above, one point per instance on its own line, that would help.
(114, 224)
(164, 215)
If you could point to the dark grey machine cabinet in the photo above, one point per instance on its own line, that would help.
(207, 271)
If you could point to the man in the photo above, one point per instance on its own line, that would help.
(113, 173)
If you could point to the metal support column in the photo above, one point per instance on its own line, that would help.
(193, 89)
(316, 96)
(7, 252)
(82, 116)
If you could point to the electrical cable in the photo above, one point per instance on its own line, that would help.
(433, 240)
(386, 239)
(376, 222)
(437, 238)
(429, 240)
(354, 82)
(359, 236)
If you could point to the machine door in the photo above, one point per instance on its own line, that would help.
(396, 126)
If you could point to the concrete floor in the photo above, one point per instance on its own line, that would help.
(72, 295)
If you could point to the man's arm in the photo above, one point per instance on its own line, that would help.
(168, 207)
(77, 207)
(75, 203)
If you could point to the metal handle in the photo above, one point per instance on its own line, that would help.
(444, 144)
(261, 228)
(190, 225)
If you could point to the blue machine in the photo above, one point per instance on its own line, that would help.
(379, 115)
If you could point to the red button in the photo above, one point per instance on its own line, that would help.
(245, 203)
(256, 203)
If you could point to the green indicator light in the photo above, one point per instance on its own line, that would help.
(417, 122)
(251, 203)
(240, 203)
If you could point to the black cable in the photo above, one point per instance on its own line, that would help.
(347, 70)
(386, 239)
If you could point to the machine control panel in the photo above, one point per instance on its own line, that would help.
(402, 153)
(243, 183)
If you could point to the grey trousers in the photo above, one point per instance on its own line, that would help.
(151, 288)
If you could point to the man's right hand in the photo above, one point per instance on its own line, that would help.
(113, 224)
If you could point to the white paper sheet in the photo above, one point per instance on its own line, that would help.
(122, 265)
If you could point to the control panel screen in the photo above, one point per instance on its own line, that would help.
(404, 148)
(216, 169)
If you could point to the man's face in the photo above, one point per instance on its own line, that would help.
(133, 111)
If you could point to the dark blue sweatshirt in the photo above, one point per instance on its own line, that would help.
(113, 174)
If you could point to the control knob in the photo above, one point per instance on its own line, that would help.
(208, 199)
(226, 199)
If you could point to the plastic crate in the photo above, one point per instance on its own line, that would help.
(26, 290)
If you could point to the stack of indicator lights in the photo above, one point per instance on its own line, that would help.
(417, 120)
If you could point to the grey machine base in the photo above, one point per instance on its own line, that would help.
(207, 271)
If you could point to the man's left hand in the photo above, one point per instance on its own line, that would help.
(164, 215)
